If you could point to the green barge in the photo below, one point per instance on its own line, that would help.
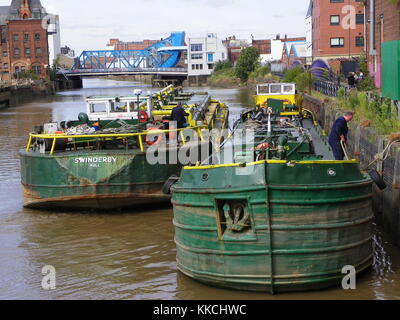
(276, 213)
(100, 161)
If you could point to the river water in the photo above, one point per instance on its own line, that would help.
(119, 255)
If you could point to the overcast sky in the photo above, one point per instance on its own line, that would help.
(88, 24)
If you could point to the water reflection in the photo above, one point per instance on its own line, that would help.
(120, 255)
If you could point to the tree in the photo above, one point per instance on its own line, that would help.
(247, 63)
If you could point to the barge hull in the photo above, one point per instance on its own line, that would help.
(297, 237)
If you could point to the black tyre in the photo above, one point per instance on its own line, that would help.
(377, 178)
(169, 183)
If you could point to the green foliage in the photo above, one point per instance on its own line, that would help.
(222, 65)
(27, 75)
(379, 111)
(247, 63)
(366, 84)
(225, 77)
(260, 73)
(304, 81)
(341, 93)
(292, 74)
(363, 64)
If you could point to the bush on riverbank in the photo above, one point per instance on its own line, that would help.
(302, 79)
(248, 71)
(224, 77)
(369, 111)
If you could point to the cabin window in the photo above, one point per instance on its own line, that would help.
(288, 88)
(275, 88)
(98, 107)
(132, 106)
(118, 107)
(263, 90)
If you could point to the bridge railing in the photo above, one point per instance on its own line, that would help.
(137, 70)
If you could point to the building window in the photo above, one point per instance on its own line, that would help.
(38, 52)
(15, 37)
(201, 67)
(26, 37)
(27, 52)
(360, 18)
(334, 1)
(5, 65)
(360, 41)
(197, 56)
(16, 70)
(337, 42)
(335, 20)
(17, 52)
(196, 47)
(23, 69)
(193, 67)
(37, 36)
(5, 54)
(37, 69)
(210, 66)
(223, 55)
(210, 57)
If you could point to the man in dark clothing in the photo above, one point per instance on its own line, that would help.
(338, 134)
(351, 80)
(178, 114)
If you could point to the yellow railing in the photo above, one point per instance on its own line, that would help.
(138, 135)
(255, 163)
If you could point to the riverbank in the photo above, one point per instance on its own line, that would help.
(364, 143)
(21, 91)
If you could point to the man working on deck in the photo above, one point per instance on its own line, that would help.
(179, 115)
(339, 134)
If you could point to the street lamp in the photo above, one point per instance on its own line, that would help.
(137, 93)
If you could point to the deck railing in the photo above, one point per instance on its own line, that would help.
(139, 135)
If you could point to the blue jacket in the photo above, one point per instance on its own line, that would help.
(339, 128)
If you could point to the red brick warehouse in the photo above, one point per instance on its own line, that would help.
(24, 40)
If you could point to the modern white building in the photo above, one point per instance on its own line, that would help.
(276, 52)
(203, 53)
(54, 37)
(309, 34)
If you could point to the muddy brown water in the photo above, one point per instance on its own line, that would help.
(119, 255)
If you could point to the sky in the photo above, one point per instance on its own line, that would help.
(89, 24)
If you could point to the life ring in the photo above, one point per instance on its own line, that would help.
(262, 146)
(153, 142)
(143, 116)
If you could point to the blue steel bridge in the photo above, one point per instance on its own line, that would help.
(158, 59)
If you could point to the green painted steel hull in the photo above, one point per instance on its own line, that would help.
(92, 179)
(303, 225)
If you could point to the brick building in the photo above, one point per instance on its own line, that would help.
(234, 47)
(116, 44)
(331, 36)
(383, 46)
(24, 41)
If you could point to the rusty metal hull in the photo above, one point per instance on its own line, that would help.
(93, 179)
(298, 229)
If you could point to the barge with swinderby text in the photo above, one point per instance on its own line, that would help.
(100, 160)
(276, 213)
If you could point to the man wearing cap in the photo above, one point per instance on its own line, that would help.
(339, 134)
